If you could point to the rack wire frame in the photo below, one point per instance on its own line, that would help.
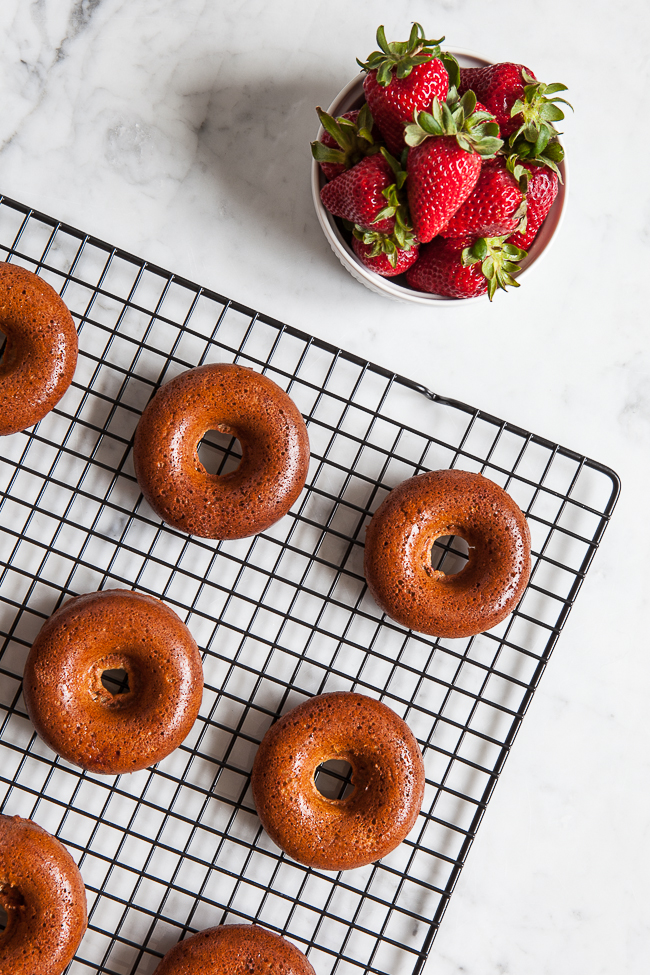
(279, 617)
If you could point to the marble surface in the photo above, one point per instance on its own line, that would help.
(180, 130)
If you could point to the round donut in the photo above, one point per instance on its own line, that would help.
(387, 779)
(83, 721)
(44, 896)
(235, 949)
(234, 400)
(401, 534)
(40, 353)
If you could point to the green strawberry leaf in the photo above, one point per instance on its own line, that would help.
(381, 39)
(326, 154)
(554, 151)
(400, 56)
(384, 74)
(468, 102)
(551, 113)
(541, 142)
(416, 29)
(488, 267)
(453, 68)
(511, 251)
(556, 86)
(385, 213)
(332, 126)
(447, 117)
(479, 249)
(506, 278)
(498, 261)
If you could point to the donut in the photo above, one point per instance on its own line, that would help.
(84, 722)
(44, 896)
(398, 546)
(40, 353)
(387, 780)
(235, 949)
(234, 400)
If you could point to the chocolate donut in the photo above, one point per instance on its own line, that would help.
(237, 401)
(40, 353)
(235, 949)
(401, 534)
(83, 721)
(43, 894)
(387, 780)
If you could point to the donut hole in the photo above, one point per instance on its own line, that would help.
(219, 453)
(3, 344)
(449, 554)
(333, 779)
(10, 900)
(116, 681)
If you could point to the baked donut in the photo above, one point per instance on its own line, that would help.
(387, 780)
(83, 721)
(237, 401)
(40, 354)
(235, 949)
(401, 534)
(44, 896)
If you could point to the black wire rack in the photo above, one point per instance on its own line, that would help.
(279, 617)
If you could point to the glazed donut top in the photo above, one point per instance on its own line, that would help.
(78, 717)
(234, 400)
(398, 546)
(235, 949)
(387, 779)
(40, 354)
(43, 894)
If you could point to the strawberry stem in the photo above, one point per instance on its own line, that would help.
(498, 261)
(400, 56)
(474, 131)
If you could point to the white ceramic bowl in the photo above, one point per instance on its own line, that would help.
(351, 98)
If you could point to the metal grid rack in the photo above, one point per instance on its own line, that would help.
(279, 617)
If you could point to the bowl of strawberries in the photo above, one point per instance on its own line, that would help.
(438, 175)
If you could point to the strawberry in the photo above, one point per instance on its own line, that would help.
(460, 268)
(521, 104)
(542, 190)
(345, 142)
(368, 194)
(497, 203)
(444, 160)
(402, 78)
(497, 86)
(385, 255)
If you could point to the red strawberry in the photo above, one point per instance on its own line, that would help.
(517, 100)
(419, 76)
(363, 194)
(345, 142)
(497, 86)
(542, 190)
(495, 206)
(387, 256)
(451, 268)
(444, 161)
(439, 270)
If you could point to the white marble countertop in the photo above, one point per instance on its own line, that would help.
(179, 131)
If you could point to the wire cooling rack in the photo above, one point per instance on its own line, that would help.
(279, 617)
